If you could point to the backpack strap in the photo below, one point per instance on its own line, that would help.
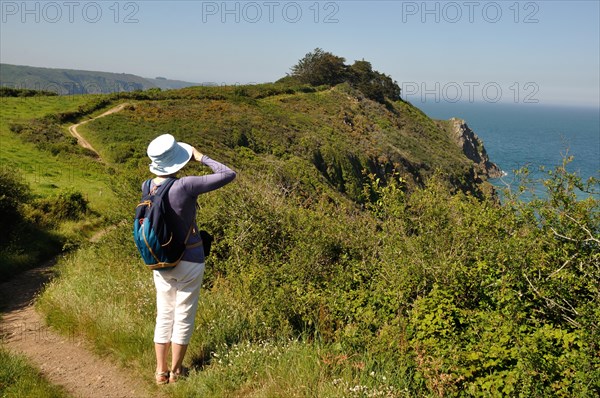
(146, 187)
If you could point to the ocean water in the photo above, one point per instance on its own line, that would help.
(531, 135)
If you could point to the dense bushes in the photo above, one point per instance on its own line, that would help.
(68, 205)
(320, 67)
(480, 298)
(499, 315)
(48, 135)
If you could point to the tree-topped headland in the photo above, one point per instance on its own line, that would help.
(323, 68)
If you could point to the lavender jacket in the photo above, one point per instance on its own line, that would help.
(182, 197)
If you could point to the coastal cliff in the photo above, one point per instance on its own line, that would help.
(473, 148)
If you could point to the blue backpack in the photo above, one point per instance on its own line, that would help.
(152, 231)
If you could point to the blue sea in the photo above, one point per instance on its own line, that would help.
(532, 135)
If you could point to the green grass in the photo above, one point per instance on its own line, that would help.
(289, 369)
(115, 282)
(18, 379)
(48, 174)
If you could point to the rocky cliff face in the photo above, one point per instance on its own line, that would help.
(473, 148)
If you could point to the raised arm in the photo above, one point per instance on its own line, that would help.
(222, 175)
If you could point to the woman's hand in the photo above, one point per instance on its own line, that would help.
(197, 155)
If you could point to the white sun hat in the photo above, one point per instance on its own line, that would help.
(168, 156)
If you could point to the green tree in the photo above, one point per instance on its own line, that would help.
(320, 67)
(375, 85)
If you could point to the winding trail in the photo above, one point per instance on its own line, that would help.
(82, 141)
(67, 361)
(64, 360)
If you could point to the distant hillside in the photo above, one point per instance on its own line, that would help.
(70, 81)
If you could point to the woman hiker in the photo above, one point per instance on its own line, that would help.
(178, 288)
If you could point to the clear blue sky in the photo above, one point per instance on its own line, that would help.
(545, 51)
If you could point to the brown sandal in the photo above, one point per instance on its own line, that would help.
(162, 377)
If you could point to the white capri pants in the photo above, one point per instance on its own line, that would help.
(177, 294)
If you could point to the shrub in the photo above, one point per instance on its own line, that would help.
(68, 205)
(23, 242)
(14, 193)
(48, 135)
(374, 85)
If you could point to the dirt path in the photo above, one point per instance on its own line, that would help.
(82, 141)
(63, 360)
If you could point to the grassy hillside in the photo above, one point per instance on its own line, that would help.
(355, 256)
(45, 172)
(343, 135)
(53, 170)
(71, 82)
